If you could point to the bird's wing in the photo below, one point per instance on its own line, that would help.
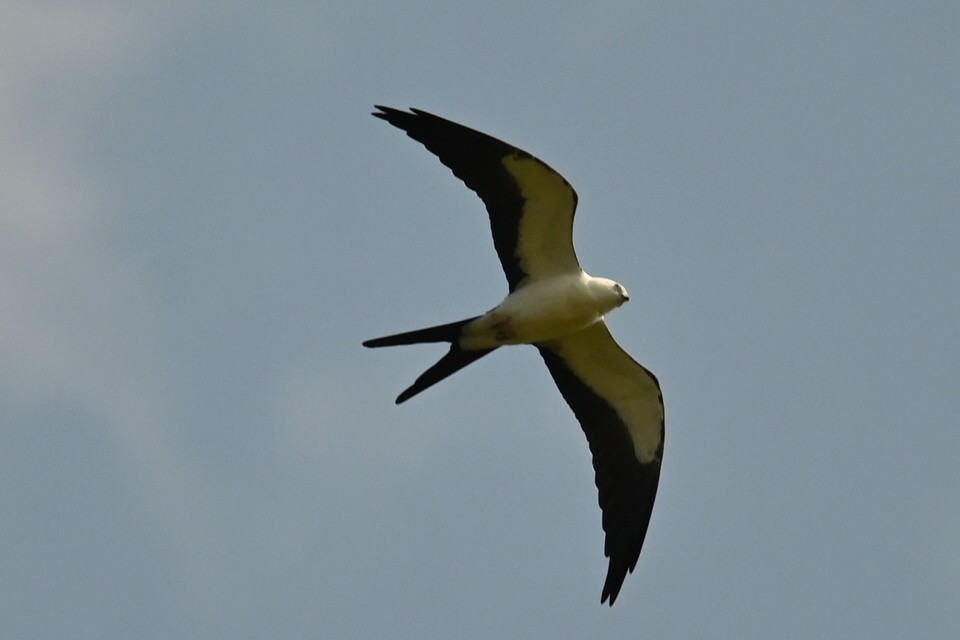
(531, 206)
(618, 403)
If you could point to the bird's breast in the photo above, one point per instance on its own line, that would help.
(535, 313)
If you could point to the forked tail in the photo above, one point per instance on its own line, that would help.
(449, 364)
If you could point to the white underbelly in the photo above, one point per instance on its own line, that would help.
(537, 313)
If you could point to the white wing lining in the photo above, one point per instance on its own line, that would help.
(545, 234)
(630, 389)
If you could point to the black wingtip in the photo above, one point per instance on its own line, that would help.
(617, 573)
(404, 119)
(609, 596)
(385, 113)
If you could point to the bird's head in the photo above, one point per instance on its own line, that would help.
(621, 291)
(611, 293)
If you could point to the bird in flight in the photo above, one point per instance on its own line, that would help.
(558, 308)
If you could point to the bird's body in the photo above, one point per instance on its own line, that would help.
(554, 305)
(544, 310)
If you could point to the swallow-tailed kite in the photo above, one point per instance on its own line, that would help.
(555, 306)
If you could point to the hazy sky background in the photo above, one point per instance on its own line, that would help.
(200, 223)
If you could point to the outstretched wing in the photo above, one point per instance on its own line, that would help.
(531, 206)
(619, 405)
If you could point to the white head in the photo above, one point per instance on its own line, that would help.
(609, 293)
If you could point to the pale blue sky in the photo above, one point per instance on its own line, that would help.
(200, 223)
